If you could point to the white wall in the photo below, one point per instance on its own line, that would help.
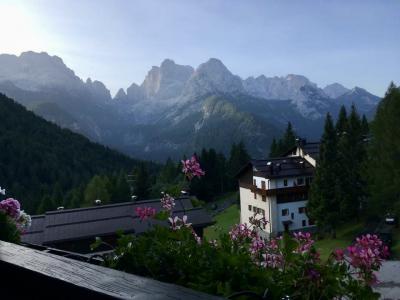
(298, 218)
(246, 199)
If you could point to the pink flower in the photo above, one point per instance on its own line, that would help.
(241, 232)
(176, 223)
(257, 245)
(11, 207)
(365, 256)
(339, 254)
(305, 241)
(191, 168)
(145, 212)
(167, 202)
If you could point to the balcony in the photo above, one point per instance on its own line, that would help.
(35, 274)
(299, 189)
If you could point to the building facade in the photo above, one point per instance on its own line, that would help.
(277, 188)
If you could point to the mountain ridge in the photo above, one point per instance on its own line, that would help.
(135, 120)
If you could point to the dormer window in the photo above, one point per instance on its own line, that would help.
(285, 182)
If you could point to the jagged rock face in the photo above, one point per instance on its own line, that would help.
(212, 77)
(98, 90)
(166, 81)
(297, 88)
(33, 71)
(335, 90)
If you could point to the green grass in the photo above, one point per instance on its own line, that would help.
(344, 237)
(224, 222)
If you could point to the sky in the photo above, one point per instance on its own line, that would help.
(355, 43)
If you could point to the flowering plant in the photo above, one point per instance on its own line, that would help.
(286, 267)
(13, 220)
(191, 168)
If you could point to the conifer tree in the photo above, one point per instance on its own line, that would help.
(341, 124)
(323, 204)
(96, 189)
(384, 162)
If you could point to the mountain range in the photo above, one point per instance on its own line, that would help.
(177, 109)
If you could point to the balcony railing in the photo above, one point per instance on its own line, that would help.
(277, 191)
(33, 274)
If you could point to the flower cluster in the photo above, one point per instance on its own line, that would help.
(365, 256)
(167, 202)
(177, 223)
(191, 168)
(145, 212)
(304, 240)
(12, 208)
(241, 232)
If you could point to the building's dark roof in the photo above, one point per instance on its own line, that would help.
(310, 148)
(282, 167)
(103, 220)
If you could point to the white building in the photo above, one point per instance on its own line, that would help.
(278, 189)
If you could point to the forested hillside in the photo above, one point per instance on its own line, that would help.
(38, 158)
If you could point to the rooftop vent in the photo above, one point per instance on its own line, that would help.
(97, 202)
(269, 163)
(60, 208)
(184, 193)
(133, 197)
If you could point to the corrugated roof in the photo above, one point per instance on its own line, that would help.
(80, 223)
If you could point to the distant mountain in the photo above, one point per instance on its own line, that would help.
(176, 109)
(37, 157)
(335, 90)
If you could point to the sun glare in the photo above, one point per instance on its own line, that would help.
(18, 30)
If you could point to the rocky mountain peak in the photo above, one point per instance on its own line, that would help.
(335, 90)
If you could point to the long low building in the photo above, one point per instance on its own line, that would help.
(75, 229)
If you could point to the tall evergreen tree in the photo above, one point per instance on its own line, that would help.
(142, 184)
(384, 162)
(364, 125)
(341, 124)
(284, 144)
(97, 189)
(323, 204)
(351, 155)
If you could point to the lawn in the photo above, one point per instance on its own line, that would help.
(344, 237)
(224, 222)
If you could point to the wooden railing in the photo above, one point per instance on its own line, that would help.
(279, 191)
(35, 274)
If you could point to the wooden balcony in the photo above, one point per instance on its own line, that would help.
(32, 274)
(280, 191)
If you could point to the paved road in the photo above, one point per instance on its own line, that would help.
(389, 277)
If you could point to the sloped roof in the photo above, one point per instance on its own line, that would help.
(310, 148)
(103, 220)
(289, 166)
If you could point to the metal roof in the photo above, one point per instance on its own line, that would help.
(103, 220)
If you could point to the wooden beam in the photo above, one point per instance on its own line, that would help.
(48, 275)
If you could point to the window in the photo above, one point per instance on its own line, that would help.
(300, 181)
(292, 215)
(263, 212)
(259, 210)
(263, 185)
(254, 209)
(285, 182)
(249, 207)
(302, 210)
(311, 222)
(285, 212)
(264, 198)
(303, 223)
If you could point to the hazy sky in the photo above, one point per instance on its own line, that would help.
(117, 42)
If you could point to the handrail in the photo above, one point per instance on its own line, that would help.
(42, 275)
